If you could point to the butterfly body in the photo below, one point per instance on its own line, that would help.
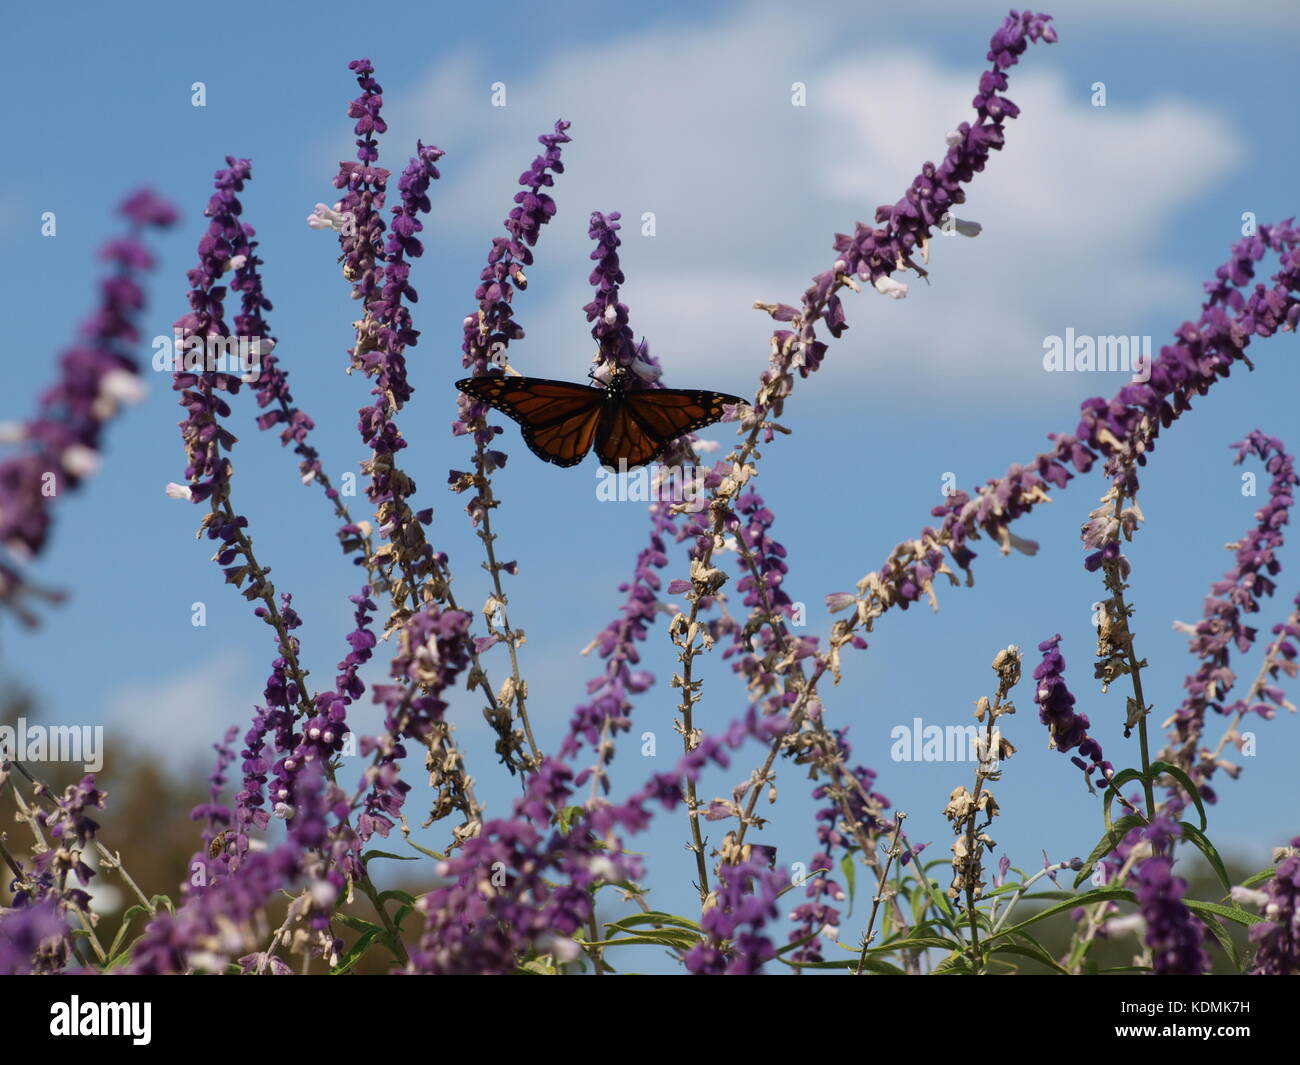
(562, 421)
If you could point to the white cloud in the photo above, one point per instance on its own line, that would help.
(183, 714)
(1074, 211)
(694, 122)
(1246, 17)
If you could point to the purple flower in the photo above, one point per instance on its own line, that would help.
(1277, 939)
(1175, 935)
(387, 331)
(1123, 429)
(611, 329)
(219, 919)
(1067, 729)
(522, 886)
(61, 443)
(1224, 628)
(817, 918)
(365, 185)
(44, 899)
(433, 649)
(222, 248)
(872, 254)
(599, 720)
(490, 330)
(216, 814)
(33, 939)
(745, 903)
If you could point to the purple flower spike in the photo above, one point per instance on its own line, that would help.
(817, 918)
(33, 939)
(1175, 935)
(62, 443)
(1067, 729)
(1122, 430)
(611, 329)
(745, 904)
(490, 330)
(1231, 601)
(1277, 938)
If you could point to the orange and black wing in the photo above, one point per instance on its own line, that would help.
(558, 419)
(647, 421)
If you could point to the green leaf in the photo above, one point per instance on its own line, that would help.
(879, 965)
(1164, 767)
(1105, 894)
(911, 943)
(1225, 941)
(1232, 913)
(125, 927)
(539, 967)
(847, 963)
(919, 899)
(676, 938)
(1113, 838)
(1031, 948)
(386, 854)
(1120, 779)
(1259, 878)
(425, 850)
(653, 917)
(875, 965)
(565, 818)
(792, 885)
(358, 924)
(398, 894)
(354, 953)
(797, 943)
(939, 899)
(851, 875)
(1207, 848)
(953, 965)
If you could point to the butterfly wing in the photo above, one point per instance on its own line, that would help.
(624, 439)
(558, 419)
(645, 422)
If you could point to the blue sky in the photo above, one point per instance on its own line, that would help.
(1105, 220)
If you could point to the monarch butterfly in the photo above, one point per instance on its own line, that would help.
(561, 421)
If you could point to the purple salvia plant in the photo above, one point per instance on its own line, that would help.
(1231, 601)
(379, 271)
(433, 649)
(1175, 935)
(606, 714)
(1126, 424)
(216, 815)
(33, 939)
(226, 247)
(817, 918)
(872, 255)
(736, 923)
(52, 896)
(489, 331)
(1067, 730)
(520, 890)
(62, 442)
(487, 337)
(1277, 937)
(222, 918)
